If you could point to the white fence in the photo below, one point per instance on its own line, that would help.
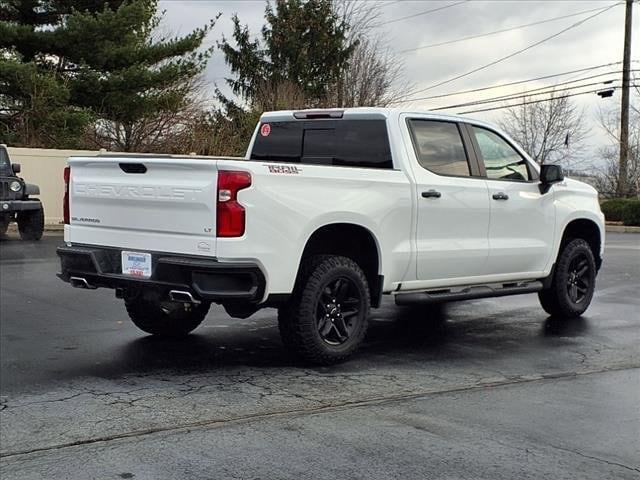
(44, 167)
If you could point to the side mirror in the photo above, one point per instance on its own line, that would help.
(550, 174)
(16, 168)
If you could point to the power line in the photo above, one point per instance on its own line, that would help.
(533, 101)
(519, 82)
(388, 4)
(518, 51)
(483, 67)
(472, 37)
(547, 90)
(422, 13)
(546, 87)
(525, 103)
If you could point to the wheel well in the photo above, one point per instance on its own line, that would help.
(354, 242)
(588, 231)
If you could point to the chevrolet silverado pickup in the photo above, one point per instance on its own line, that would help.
(328, 211)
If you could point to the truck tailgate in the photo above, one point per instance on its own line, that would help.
(144, 203)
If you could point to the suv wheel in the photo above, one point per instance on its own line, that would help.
(326, 320)
(4, 224)
(31, 224)
(163, 317)
(573, 283)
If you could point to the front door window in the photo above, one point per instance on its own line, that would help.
(501, 160)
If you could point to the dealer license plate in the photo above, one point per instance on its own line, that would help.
(136, 264)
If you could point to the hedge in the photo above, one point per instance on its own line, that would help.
(612, 209)
(622, 210)
(631, 213)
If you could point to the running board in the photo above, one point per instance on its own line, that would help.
(467, 292)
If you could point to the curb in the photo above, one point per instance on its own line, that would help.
(621, 229)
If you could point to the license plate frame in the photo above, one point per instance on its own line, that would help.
(136, 264)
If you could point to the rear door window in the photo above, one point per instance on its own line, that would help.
(349, 143)
(439, 147)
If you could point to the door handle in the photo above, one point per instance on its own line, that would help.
(431, 194)
(500, 196)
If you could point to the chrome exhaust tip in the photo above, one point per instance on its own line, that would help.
(183, 297)
(79, 282)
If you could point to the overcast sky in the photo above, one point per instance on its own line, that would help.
(597, 41)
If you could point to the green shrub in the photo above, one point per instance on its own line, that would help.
(613, 209)
(631, 213)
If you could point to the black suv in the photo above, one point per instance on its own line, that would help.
(15, 204)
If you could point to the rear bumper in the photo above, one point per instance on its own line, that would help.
(7, 206)
(205, 278)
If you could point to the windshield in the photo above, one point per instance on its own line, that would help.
(5, 164)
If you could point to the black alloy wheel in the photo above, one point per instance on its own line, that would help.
(579, 278)
(338, 311)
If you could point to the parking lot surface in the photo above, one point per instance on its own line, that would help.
(484, 389)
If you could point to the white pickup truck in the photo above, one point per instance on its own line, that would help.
(328, 211)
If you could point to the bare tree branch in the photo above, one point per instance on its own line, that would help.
(607, 174)
(375, 75)
(551, 132)
(164, 132)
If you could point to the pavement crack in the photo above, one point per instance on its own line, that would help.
(583, 356)
(44, 402)
(310, 410)
(90, 392)
(597, 459)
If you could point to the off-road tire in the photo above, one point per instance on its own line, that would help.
(556, 300)
(31, 224)
(298, 319)
(164, 318)
(4, 225)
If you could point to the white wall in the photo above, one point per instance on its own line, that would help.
(44, 167)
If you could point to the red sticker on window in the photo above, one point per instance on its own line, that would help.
(265, 129)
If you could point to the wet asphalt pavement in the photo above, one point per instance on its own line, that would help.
(485, 389)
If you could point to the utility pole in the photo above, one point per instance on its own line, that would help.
(624, 114)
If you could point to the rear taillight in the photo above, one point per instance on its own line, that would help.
(231, 215)
(65, 204)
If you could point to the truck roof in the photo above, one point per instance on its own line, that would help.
(379, 113)
(357, 112)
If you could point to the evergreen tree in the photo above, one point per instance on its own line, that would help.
(35, 99)
(33, 28)
(103, 55)
(303, 44)
(297, 62)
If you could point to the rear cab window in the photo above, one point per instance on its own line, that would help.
(343, 142)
